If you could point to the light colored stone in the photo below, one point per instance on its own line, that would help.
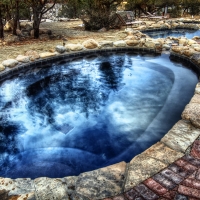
(140, 168)
(74, 47)
(119, 43)
(188, 52)
(18, 187)
(197, 89)
(197, 49)
(10, 63)
(132, 42)
(102, 183)
(47, 54)
(105, 44)
(190, 42)
(183, 41)
(177, 49)
(90, 44)
(60, 49)
(47, 188)
(192, 113)
(2, 67)
(150, 44)
(33, 55)
(182, 135)
(166, 46)
(21, 58)
(195, 99)
(162, 153)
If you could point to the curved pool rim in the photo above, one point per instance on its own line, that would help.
(66, 57)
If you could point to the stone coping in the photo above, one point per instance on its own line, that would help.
(118, 178)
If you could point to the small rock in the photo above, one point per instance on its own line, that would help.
(105, 44)
(120, 43)
(21, 58)
(2, 67)
(74, 47)
(90, 44)
(166, 46)
(132, 42)
(10, 63)
(190, 42)
(102, 30)
(33, 55)
(60, 49)
(47, 54)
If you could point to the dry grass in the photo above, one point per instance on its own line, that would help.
(71, 30)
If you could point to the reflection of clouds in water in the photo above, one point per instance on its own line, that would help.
(91, 111)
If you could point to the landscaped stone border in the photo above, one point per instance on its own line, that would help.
(121, 177)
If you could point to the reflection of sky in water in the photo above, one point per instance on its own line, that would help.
(89, 113)
(188, 33)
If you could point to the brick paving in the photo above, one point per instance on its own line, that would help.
(179, 181)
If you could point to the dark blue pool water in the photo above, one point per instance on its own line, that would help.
(89, 113)
(188, 33)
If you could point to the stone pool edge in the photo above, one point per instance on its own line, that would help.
(121, 177)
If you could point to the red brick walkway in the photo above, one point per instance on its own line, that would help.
(179, 181)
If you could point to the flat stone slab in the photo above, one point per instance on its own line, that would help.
(192, 113)
(195, 99)
(140, 168)
(101, 183)
(182, 135)
(57, 188)
(163, 153)
(21, 187)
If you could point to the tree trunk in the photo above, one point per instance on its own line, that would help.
(36, 24)
(16, 18)
(1, 24)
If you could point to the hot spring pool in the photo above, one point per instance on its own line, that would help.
(188, 33)
(88, 113)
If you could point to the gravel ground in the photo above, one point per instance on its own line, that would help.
(70, 30)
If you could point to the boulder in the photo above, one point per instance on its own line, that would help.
(47, 54)
(174, 24)
(132, 42)
(60, 49)
(183, 41)
(197, 49)
(196, 38)
(142, 27)
(10, 63)
(190, 42)
(74, 47)
(120, 43)
(21, 58)
(106, 44)
(150, 44)
(33, 55)
(90, 44)
(177, 49)
(166, 46)
(192, 113)
(11, 39)
(2, 67)
(188, 52)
